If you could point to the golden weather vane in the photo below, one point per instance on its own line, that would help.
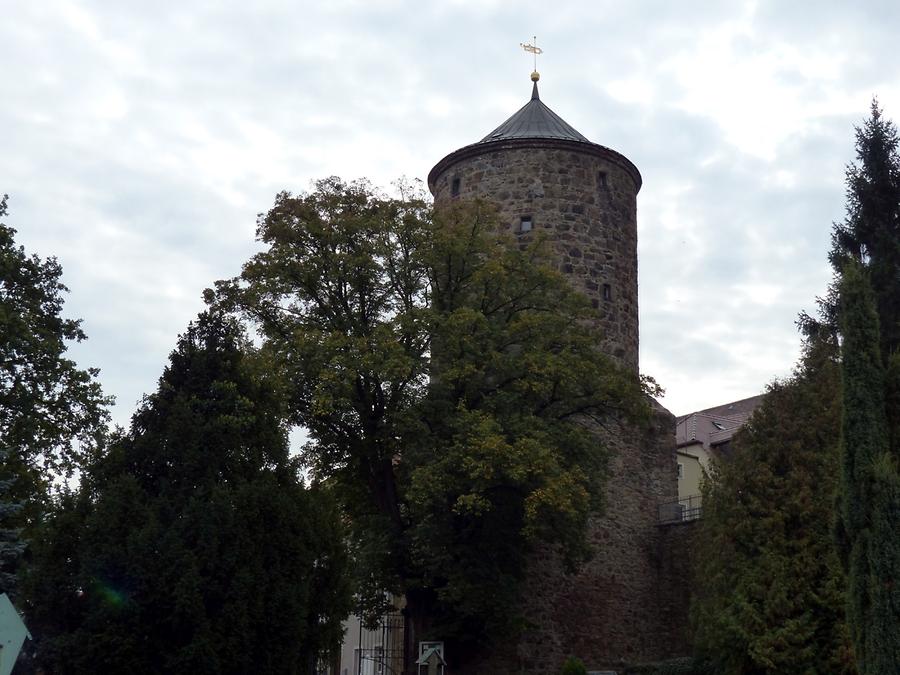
(534, 49)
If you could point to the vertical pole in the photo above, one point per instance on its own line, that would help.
(359, 658)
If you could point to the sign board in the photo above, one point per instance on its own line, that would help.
(12, 635)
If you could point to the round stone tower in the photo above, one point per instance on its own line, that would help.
(546, 177)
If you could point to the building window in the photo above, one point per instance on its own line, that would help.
(680, 470)
(602, 180)
(607, 292)
(454, 187)
(525, 224)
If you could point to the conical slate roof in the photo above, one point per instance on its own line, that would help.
(533, 126)
(534, 120)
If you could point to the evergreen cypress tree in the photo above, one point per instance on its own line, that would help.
(868, 529)
(769, 594)
(871, 231)
(192, 545)
(865, 302)
(764, 605)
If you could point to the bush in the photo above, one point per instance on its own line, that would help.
(573, 666)
(680, 666)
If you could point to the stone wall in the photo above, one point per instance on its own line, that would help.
(584, 202)
(608, 613)
(676, 571)
(583, 198)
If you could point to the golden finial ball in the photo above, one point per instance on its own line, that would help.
(535, 76)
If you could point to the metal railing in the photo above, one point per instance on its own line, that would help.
(681, 511)
(380, 650)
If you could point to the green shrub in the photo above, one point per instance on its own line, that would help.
(681, 666)
(573, 666)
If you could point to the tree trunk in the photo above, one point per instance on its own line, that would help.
(415, 628)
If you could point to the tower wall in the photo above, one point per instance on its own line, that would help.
(618, 609)
(582, 197)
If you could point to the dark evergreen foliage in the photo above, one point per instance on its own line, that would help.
(868, 529)
(866, 299)
(769, 588)
(862, 312)
(192, 545)
(870, 232)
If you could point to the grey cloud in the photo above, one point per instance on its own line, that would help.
(140, 142)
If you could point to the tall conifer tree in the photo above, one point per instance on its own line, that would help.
(870, 232)
(769, 595)
(757, 610)
(868, 530)
(192, 546)
(866, 299)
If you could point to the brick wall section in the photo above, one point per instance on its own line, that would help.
(585, 202)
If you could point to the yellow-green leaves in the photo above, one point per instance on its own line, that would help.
(450, 384)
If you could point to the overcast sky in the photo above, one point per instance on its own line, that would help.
(141, 139)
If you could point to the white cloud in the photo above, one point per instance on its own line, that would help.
(141, 140)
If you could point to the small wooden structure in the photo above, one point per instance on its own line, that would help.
(431, 659)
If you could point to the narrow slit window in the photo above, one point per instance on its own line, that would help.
(525, 224)
(607, 292)
(454, 187)
(602, 180)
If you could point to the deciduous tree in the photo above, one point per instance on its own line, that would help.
(11, 544)
(449, 384)
(52, 413)
(50, 410)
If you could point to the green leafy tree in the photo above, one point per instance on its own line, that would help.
(11, 544)
(450, 387)
(769, 596)
(52, 413)
(508, 455)
(868, 532)
(192, 546)
(50, 410)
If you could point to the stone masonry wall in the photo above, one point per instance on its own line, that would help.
(607, 614)
(585, 205)
(676, 568)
